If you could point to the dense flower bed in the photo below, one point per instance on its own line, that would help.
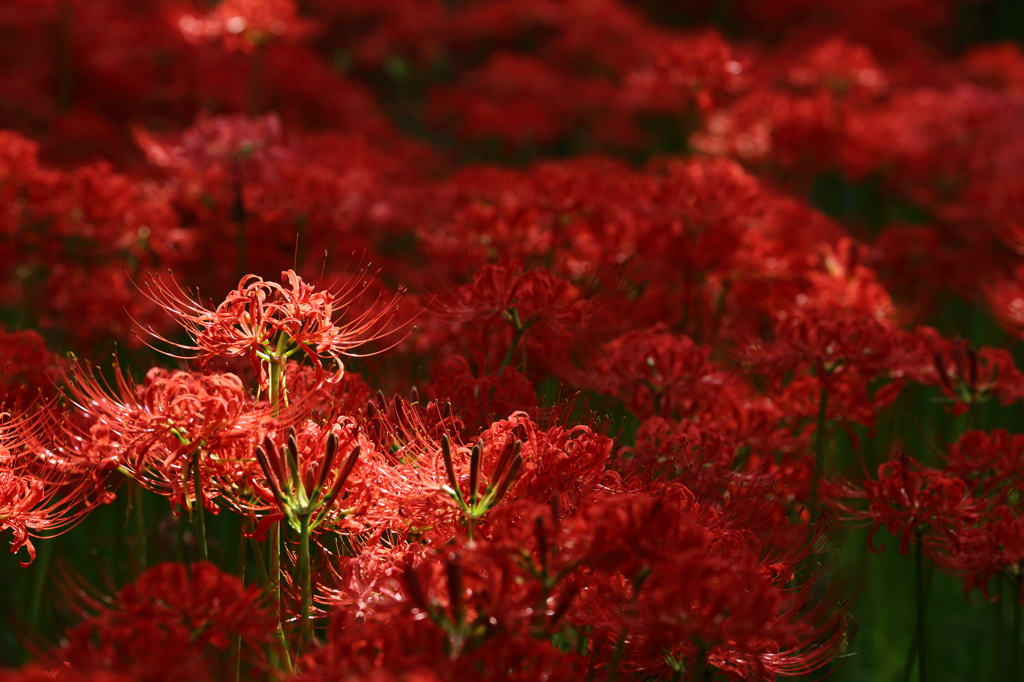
(507, 339)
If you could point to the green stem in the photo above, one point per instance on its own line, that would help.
(236, 642)
(199, 513)
(819, 433)
(1015, 641)
(997, 631)
(274, 589)
(305, 584)
(697, 667)
(819, 442)
(613, 665)
(277, 392)
(922, 675)
(140, 525)
(41, 567)
(516, 337)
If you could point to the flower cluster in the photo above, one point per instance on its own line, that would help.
(547, 340)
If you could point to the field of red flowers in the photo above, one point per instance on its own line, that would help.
(429, 340)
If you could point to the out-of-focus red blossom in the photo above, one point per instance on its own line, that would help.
(244, 25)
(478, 400)
(174, 622)
(499, 102)
(835, 346)
(658, 373)
(915, 503)
(543, 316)
(991, 546)
(214, 144)
(999, 64)
(701, 70)
(41, 673)
(1005, 297)
(967, 377)
(991, 461)
(28, 369)
(915, 264)
(28, 11)
(796, 124)
(73, 239)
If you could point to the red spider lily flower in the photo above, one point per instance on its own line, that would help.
(563, 460)
(245, 25)
(441, 483)
(174, 622)
(992, 462)
(464, 611)
(699, 70)
(966, 376)
(1005, 299)
(657, 372)
(27, 369)
(504, 470)
(911, 501)
(41, 673)
(985, 548)
(831, 344)
(308, 474)
(685, 578)
(478, 400)
(534, 308)
(359, 585)
(268, 323)
(174, 427)
(42, 494)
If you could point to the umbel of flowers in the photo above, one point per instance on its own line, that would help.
(389, 540)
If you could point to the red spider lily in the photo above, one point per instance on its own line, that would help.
(1006, 300)
(306, 476)
(696, 70)
(504, 470)
(831, 344)
(173, 427)
(659, 373)
(174, 622)
(685, 578)
(359, 585)
(537, 309)
(912, 502)
(988, 546)
(966, 376)
(478, 400)
(443, 481)
(465, 608)
(245, 25)
(992, 462)
(563, 460)
(42, 494)
(42, 673)
(27, 369)
(268, 323)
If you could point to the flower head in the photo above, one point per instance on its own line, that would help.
(269, 322)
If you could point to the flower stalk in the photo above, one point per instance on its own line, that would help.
(922, 656)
